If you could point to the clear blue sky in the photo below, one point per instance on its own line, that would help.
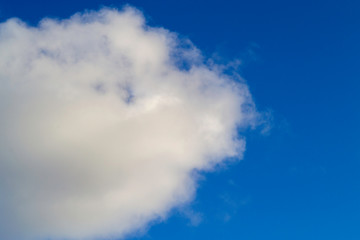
(301, 60)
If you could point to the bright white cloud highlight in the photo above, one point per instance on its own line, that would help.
(101, 130)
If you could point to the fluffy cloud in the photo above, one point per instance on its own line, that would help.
(103, 121)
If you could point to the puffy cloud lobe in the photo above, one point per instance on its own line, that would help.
(101, 128)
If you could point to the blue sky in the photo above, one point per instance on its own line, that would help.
(301, 61)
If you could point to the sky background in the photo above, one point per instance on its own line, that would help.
(301, 61)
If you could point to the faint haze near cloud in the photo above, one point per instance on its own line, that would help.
(103, 122)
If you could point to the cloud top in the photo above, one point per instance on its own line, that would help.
(103, 121)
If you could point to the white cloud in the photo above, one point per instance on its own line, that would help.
(100, 127)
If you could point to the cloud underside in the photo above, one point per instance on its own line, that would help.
(103, 122)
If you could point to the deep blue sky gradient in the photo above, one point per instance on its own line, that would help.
(301, 60)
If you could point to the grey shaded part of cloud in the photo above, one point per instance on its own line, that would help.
(101, 128)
